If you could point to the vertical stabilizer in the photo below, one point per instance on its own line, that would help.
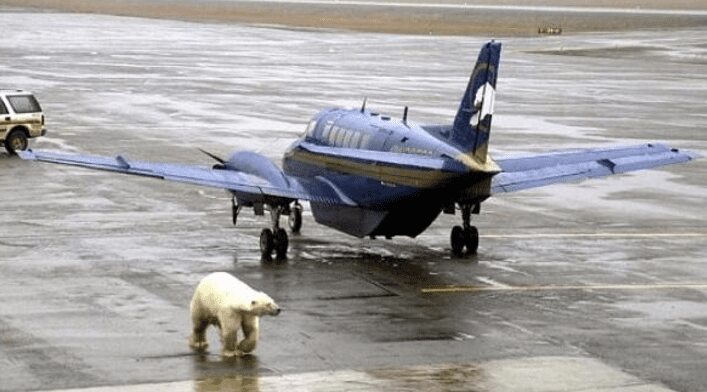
(472, 124)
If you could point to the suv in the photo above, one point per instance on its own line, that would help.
(21, 118)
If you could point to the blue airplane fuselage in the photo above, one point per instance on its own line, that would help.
(391, 199)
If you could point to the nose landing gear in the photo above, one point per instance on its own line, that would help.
(465, 237)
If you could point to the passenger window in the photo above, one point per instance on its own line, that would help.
(3, 109)
(355, 139)
(347, 139)
(325, 133)
(24, 104)
(340, 137)
(332, 135)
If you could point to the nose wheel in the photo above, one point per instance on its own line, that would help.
(465, 239)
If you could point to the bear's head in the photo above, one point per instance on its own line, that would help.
(262, 304)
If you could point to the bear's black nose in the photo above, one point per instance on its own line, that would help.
(277, 312)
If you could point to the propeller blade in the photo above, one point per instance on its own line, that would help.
(213, 156)
(235, 209)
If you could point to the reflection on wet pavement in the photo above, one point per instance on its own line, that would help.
(538, 374)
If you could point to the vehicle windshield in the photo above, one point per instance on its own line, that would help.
(24, 104)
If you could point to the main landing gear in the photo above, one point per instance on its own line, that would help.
(465, 239)
(274, 239)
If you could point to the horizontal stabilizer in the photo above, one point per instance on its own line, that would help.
(576, 165)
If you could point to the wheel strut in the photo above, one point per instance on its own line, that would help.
(465, 236)
(274, 239)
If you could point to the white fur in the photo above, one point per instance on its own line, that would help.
(224, 301)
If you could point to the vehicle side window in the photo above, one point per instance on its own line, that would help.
(24, 104)
(3, 109)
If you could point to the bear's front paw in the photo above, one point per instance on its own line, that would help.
(198, 344)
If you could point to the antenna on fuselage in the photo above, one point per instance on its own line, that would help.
(363, 106)
(405, 116)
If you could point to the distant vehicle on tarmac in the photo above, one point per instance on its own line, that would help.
(366, 174)
(21, 119)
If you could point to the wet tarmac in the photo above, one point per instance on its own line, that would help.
(592, 286)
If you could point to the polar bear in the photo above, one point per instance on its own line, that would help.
(224, 301)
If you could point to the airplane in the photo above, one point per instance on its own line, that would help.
(366, 174)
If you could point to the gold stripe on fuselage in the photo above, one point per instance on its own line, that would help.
(419, 178)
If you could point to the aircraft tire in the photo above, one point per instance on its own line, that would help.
(281, 243)
(17, 140)
(295, 219)
(267, 243)
(458, 241)
(471, 240)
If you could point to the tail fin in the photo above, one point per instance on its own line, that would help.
(472, 125)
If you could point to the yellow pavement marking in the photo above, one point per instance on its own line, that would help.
(474, 289)
(596, 235)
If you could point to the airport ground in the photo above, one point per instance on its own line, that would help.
(594, 286)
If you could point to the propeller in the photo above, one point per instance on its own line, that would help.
(221, 161)
(235, 209)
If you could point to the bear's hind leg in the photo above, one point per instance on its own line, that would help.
(251, 330)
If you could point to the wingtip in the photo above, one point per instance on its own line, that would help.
(690, 155)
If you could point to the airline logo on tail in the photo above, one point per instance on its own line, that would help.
(483, 104)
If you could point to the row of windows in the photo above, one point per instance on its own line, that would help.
(341, 137)
(411, 150)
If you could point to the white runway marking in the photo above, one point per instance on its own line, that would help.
(611, 287)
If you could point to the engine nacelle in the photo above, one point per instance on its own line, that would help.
(257, 165)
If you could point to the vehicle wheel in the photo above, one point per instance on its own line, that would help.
(457, 239)
(471, 240)
(267, 243)
(281, 244)
(295, 219)
(16, 141)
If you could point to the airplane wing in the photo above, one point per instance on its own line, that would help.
(255, 187)
(520, 173)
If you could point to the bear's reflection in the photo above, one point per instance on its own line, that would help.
(227, 374)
